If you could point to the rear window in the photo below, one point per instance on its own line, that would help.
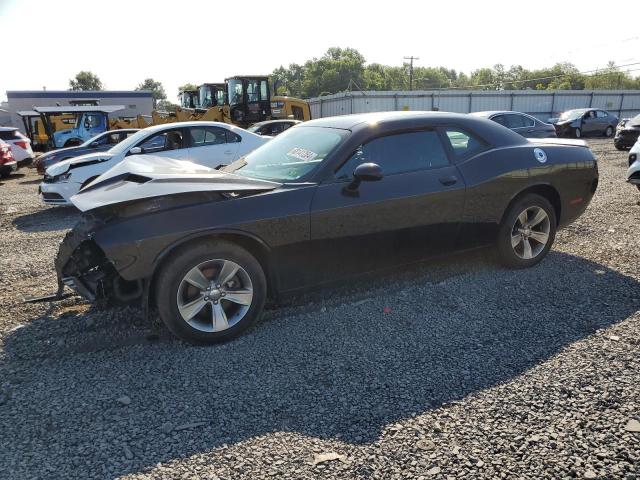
(10, 135)
(463, 143)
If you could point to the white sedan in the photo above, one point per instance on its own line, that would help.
(207, 143)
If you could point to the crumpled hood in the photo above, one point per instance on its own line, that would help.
(62, 167)
(148, 176)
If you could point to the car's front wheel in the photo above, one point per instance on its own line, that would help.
(619, 146)
(577, 133)
(210, 292)
(527, 232)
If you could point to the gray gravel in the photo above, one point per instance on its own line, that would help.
(454, 369)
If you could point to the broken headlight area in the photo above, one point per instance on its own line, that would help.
(82, 266)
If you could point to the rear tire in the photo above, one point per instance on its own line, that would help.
(608, 132)
(195, 286)
(527, 232)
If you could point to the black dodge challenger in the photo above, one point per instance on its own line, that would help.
(329, 199)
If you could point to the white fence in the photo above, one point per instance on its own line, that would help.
(542, 104)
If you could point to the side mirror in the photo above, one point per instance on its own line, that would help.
(365, 172)
(94, 144)
(135, 151)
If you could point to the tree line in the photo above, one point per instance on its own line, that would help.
(343, 69)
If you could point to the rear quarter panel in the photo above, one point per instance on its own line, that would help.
(495, 178)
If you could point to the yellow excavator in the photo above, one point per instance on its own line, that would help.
(240, 100)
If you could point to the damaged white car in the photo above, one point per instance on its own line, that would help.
(210, 144)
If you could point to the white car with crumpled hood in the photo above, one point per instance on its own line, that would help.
(211, 144)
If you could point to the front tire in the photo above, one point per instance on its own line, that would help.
(527, 232)
(577, 133)
(619, 147)
(210, 292)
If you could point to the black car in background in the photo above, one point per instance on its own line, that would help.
(627, 133)
(272, 128)
(99, 143)
(525, 125)
(326, 200)
(582, 122)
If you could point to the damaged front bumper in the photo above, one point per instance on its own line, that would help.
(82, 266)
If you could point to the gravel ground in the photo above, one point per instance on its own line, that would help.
(454, 369)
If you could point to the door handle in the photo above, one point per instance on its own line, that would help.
(448, 180)
(228, 152)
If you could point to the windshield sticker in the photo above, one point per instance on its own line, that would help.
(302, 154)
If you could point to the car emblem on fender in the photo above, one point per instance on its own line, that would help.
(540, 155)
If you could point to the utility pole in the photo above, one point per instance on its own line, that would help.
(411, 59)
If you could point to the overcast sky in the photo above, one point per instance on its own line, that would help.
(46, 42)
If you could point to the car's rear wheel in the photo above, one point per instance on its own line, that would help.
(577, 133)
(527, 232)
(210, 292)
(608, 132)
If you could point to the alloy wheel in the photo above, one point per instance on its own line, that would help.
(530, 233)
(214, 295)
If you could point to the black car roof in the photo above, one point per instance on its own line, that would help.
(389, 121)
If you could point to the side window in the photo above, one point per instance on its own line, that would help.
(463, 143)
(297, 112)
(264, 90)
(601, 114)
(233, 137)
(527, 121)
(201, 136)
(91, 121)
(171, 140)
(514, 121)
(114, 138)
(500, 119)
(399, 153)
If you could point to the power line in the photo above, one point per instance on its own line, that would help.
(411, 59)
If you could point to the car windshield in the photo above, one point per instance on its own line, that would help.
(128, 142)
(635, 121)
(572, 114)
(94, 139)
(289, 156)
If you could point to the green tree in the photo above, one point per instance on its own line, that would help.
(156, 88)
(611, 78)
(164, 105)
(85, 80)
(333, 72)
(187, 86)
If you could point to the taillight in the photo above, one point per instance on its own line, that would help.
(5, 155)
(22, 144)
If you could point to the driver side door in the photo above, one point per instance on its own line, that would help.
(413, 212)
